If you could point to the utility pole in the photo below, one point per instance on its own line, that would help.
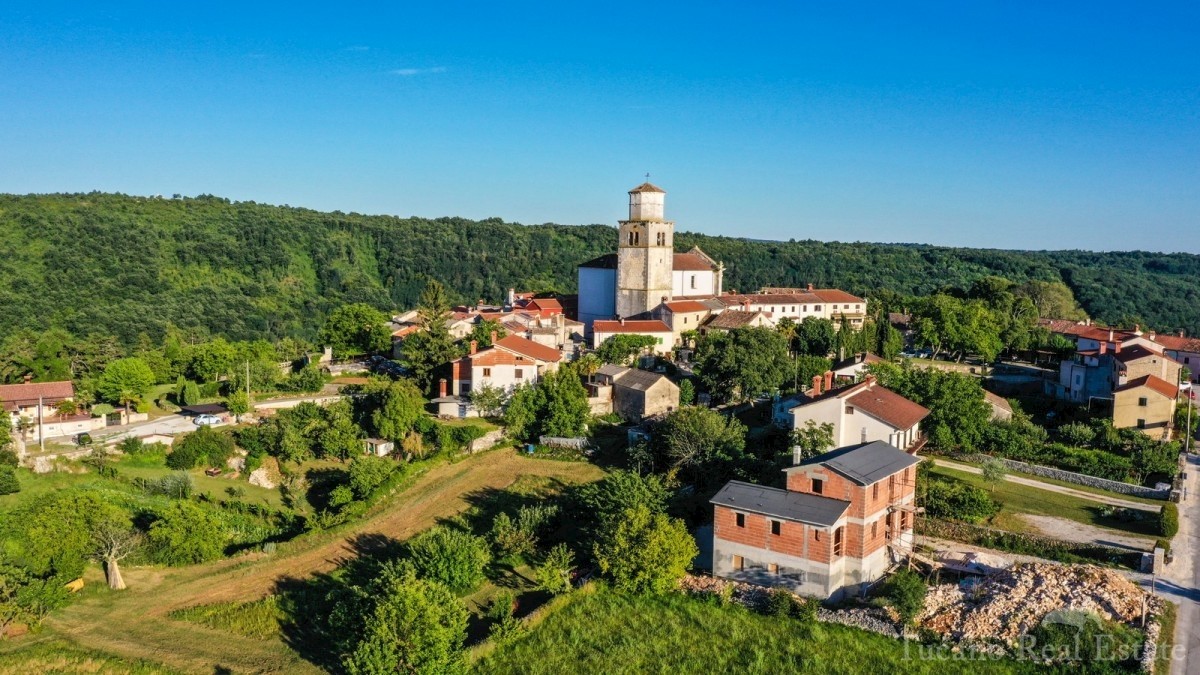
(1191, 397)
(41, 429)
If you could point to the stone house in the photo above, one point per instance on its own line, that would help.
(1146, 403)
(837, 528)
(637, 394)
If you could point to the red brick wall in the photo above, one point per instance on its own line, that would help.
(757, 533)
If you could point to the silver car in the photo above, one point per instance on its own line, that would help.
(206, 420)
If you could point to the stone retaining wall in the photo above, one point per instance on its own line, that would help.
(486, 441)
(1077, 478)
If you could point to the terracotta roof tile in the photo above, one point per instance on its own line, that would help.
(498, 357)
(1178, 343)
(1151, 382)
(888, 406)
(732, 319)
(647, 187)
(529, 348)
(648, 326)
(27, 394)
(686, 306)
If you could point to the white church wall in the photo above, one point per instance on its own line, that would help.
(597, 294)
(693, 282)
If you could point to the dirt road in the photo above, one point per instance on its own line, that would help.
(134, 624)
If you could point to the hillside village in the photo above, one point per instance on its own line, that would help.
(935, 471)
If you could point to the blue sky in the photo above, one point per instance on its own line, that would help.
(1010, 125)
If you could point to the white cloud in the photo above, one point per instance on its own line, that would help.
(409, 72)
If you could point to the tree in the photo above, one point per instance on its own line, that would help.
(1053, 300)
(369, 472)
(743, 363)
(416, 626)
(357, 328)
(210, 360)
(812, 439)
(554, 574)
(238, 403)
(815, 337)
(621, 348)
(190, 395)
(699, 441)
(566, 409)
(6, 438)
(588, 365)
(482, 333)
(54, 532)
(203, 447)
(993, 471)
(488, 400)
(184, 533)
(687, 392)
(808, 367)
(604, 500)
(645, 552)
(451, 557)
(8, 480)
(114, 540)
(338, 436)
(431, 347)
(126, 381)
(521, 415)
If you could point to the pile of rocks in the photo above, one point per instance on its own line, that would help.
(1013, 602)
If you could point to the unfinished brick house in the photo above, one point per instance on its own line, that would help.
(832, 533)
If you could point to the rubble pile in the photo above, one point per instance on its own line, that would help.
(1013, 602)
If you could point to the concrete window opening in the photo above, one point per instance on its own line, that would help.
(776, 527)
(818, 486)
(518, 373)
(772, 568)
(1143, 402)
(875, 529)
(693, 281)
(849, 410)
(740, 519)
(839, 540)
(739, 563)
(1141, 424)
(487, 372)
(875, 491)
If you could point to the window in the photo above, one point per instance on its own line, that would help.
(816, 308)
(804, 308)
(776, 527)
(1142, 401)
(519, 373)
(849, 410)
(846, 307)
(875, 491)
(487, 372)
(1141, 424)
(839, 540)
(739, 563)
(631, 238)
(693, 281)
(887, 524)
(875, 529)
(661, 239)
(740, 519)
(818, 486)
(772, 568)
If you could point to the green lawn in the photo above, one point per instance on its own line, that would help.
(607, 632)
(214, 486)
(60, 656)
(35, 484)
(1015, 499)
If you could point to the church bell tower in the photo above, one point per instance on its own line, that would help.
(645, 253)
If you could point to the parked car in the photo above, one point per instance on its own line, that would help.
(206, 420)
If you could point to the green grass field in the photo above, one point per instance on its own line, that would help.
(1016, 499)
(606, 632)
(62, 657)
(36, 484)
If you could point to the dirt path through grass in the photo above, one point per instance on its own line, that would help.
(134, 624)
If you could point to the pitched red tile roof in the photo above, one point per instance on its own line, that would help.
(997, 401)
(640, 326)
(27, 394)
(732, 319)
(836, 295)
(689, 262)
(686, 306)
(1178, 343)
(1137, 352)
(499, 357)
(888, 406)
(1156, 384)
(529, 348)
(545, 303)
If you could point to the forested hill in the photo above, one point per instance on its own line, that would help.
(115, 264)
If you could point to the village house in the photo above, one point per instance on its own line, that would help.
(734, 319)
(685, 316)
(510, 362)
(1146, 403)
(1185, 350)
(854, 368)
(602, 330)
(34, 407)
(840, 524)
(635, 394)
(860, 413)
(1002, 410)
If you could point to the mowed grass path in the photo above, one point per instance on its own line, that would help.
(609, 633)
(1015, 498)
(134, 625)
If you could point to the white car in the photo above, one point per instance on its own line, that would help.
(206, 420)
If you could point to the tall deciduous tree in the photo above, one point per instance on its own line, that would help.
(126, 380)
(645, 552)
(699, 441)
(431, 347)
(112, 542)
(401, 406)
(357, 328)
(743, 363)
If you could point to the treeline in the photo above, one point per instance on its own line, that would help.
(119, 265)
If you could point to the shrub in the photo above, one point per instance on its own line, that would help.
(8, 480)
(369, 472)
(203, 447)
(177, 485)
(905, 593)
(131, 446)
(1164, 544)
(780, 602)
(9, 458)
(1168, 520)
(645, 552)
(948, 499)
(185, 533)
(554, 574)
(1076, 433)
(509, 539)
(451, 557)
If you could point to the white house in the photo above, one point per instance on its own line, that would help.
(602, 330)
(860, 413)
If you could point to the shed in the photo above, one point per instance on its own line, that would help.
(379, 447)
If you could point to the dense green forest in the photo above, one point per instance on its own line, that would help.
(113, 264)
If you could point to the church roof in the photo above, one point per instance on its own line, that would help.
(647, 187)
(683, 262)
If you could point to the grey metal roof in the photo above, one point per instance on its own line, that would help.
(865, 463)
(640, 380)
(768, 501)
(611, 370)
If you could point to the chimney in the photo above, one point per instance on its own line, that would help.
(816, 384)
(622, 321)
(512, 297)
(474, 346)
(1137, 329)
(1103, 348)
(494, 338)
(810, 287)
(797, 455)
(1180, 333)
(828, 380)
(442, 388)
(746, 305)
(1117, 347)
(1110, 335)
(28, 378)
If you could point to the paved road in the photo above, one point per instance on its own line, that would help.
(1031, 482)
(1181, 583)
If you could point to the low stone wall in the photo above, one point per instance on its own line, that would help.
(1077, 478)
(486, 441)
